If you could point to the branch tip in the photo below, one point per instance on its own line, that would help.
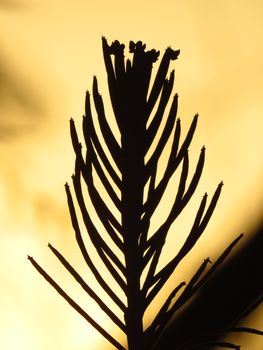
(207, 260)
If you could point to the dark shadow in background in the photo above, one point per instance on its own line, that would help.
(18, 94)
(11, 5)
(16, 91)
(228, 294)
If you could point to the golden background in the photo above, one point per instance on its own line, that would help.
(49, 52)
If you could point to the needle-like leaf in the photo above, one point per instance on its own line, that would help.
(75, 306)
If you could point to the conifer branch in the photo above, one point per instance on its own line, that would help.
(127, 171)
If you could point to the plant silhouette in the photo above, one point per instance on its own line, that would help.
(229, 296)
(127, 170)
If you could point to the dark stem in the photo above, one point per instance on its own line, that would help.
(132, 201)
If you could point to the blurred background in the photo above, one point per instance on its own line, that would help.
(49, 52)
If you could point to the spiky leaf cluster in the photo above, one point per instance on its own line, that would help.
(129, 177)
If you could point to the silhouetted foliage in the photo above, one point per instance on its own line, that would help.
(233, 292)
(129, 177)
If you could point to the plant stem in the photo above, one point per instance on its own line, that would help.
(132, 200)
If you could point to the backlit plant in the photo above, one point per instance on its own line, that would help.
(127, 170)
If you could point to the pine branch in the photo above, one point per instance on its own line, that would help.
(127, 171)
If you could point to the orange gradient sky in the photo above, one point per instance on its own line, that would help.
(49, 52)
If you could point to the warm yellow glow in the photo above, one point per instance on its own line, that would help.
(50, 51)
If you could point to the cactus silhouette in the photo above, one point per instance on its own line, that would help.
(127, 170)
